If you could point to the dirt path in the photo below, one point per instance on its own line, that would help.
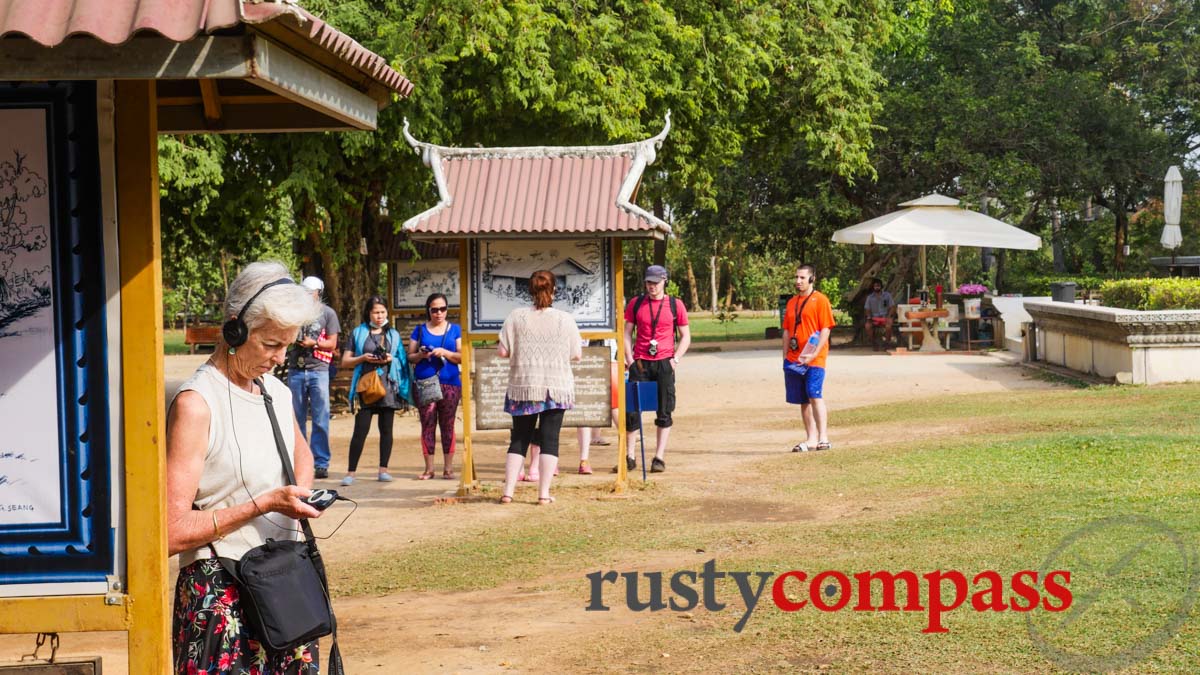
(730, 413)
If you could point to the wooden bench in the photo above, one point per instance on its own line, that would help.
(196, 336)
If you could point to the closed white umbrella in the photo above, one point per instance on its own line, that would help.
(937, 220)
(1172, 237)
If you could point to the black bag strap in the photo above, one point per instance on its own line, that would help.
(335, 656)
(800, 313)
(440, 346)
(674, 317)
(636, 303)
(641, 298)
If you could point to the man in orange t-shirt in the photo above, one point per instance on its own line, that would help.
(806, 326)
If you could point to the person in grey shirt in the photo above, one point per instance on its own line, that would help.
(308, 376)
(878, 307)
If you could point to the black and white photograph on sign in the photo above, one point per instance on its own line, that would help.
(414, 281)
(56, 471)
(501, 269)
(29, 463)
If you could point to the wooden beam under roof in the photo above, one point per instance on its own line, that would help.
(212, 103)
(236, 99)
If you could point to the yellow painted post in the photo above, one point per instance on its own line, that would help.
(143, 415)
(469, 482)
(65, 614)
(619, 323)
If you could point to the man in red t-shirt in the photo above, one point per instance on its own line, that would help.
(654, 356)
(806, 325)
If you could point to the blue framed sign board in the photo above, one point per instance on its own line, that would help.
(56, 515)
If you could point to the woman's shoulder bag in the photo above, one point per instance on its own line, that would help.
(283, 589)
(429, 389)
(370, 386)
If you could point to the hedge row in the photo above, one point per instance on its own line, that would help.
(1152, 294)
(1037, 285)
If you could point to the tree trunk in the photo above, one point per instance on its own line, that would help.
(660, 245)
(1121, 232)
(224, 275)
(712, 282)
(355, 277)
(693, 292)
(1056, 237)
(728, 289)
(1001, 258)
(952, 264)
(985, 253)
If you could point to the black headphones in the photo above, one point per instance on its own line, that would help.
(235, 331)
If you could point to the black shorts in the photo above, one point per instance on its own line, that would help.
(663, 373)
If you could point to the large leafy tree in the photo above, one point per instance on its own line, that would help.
(1043, 107)
(1033, 110)
(573, 72)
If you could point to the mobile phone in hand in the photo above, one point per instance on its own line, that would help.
(321, 499)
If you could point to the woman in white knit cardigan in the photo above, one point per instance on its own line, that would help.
(541, 342)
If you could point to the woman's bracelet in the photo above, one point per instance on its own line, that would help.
(217, 536)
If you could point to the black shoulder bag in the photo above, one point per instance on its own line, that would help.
(284, 593)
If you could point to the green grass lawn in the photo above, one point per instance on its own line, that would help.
(173, 342)
(747, 326)
(1010, 482)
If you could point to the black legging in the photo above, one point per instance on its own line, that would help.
(362, 426)
(522, 432)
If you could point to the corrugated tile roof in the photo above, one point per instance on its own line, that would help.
(393, 246)
(537, 190)
(49, 22)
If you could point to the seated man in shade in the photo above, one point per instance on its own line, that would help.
(878, 310)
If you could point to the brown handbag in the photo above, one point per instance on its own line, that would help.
(370, 387)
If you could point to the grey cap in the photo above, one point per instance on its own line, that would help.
(656, 273)
(313, 284)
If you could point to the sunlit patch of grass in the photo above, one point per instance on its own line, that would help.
(1006, 483)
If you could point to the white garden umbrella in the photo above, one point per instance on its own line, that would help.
(937, 220)
(1172, 237)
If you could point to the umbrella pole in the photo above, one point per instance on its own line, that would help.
(924, 286)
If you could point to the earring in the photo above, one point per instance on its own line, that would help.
(232, 351)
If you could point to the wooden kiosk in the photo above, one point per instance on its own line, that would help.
(517, 210)
(88, 85)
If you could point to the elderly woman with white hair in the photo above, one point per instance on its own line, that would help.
(226, 490)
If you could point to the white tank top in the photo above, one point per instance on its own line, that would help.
(241, 459)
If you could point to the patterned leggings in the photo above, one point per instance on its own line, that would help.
(440, 413)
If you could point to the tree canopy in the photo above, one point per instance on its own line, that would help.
(789, 120)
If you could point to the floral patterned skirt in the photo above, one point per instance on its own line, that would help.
(209, 636)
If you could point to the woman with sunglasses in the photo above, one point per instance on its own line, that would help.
(436, 348)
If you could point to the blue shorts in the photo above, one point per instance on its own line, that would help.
(801, 388)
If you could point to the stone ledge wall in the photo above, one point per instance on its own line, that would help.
(1126, 345)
